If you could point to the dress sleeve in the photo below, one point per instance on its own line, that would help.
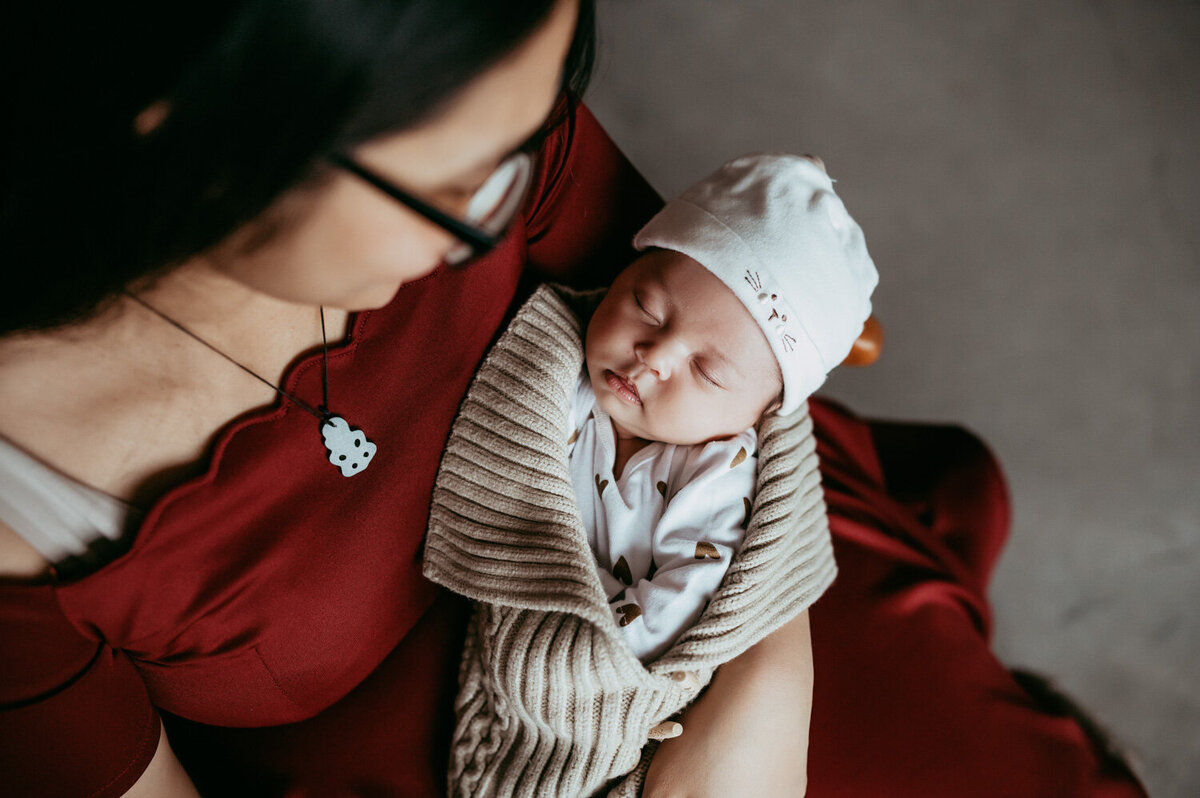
(75, 718)
(588, 202)
(701, 529)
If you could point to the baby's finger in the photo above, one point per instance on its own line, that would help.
(666, 730)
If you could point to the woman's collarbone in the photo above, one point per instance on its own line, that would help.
(132, 424)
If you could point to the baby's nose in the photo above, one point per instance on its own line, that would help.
(662, 356)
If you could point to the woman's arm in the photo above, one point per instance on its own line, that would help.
(748, 733)
(60, 693)
(164, 777)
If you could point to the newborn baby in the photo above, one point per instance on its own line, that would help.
(755, 283)
(681, 450)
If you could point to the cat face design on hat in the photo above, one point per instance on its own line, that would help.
(787, 341)
(674, 356)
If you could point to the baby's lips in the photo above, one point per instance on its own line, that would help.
(622, 386)
(630, 384)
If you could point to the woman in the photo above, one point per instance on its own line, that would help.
(193, 205)
(268, 609)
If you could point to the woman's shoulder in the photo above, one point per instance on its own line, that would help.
(74, 406)
(53, 385)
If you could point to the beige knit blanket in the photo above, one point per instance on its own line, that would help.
(552, 700)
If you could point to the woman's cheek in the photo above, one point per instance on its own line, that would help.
(370, 276)
(380, 239)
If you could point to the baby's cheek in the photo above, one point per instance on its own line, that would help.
(601, 332)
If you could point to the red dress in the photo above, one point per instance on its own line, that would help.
(273, 612)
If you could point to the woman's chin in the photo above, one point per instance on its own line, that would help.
(373, 299)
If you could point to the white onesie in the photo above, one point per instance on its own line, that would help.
(665, 532)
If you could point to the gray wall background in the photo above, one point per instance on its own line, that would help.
(1027, 176)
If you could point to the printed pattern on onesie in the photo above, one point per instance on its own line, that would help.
(665, 531)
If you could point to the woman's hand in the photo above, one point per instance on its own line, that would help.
(748, 734)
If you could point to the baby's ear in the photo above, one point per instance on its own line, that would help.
(767, 412)
(775, 404)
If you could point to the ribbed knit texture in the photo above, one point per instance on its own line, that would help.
(552, 700)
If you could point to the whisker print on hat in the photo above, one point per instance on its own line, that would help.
(786, 340)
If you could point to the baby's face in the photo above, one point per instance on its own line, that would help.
(674, 355)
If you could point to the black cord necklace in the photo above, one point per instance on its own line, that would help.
(347, 446)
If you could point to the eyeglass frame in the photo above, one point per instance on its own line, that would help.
(480, 241)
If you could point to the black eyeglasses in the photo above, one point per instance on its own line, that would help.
(490, 210)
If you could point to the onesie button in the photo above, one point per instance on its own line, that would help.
(688, 680)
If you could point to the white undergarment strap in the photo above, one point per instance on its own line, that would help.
(57, 515)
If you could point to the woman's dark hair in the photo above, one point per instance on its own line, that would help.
(258, 91)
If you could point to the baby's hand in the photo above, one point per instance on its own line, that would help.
(688, 680)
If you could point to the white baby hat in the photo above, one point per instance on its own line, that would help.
(773, 229)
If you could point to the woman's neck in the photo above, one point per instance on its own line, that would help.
(216, 307)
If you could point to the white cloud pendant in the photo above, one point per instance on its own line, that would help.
(348, 448)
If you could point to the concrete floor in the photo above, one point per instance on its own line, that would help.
(1027, 176)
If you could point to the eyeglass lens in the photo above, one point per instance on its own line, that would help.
(494, 205)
